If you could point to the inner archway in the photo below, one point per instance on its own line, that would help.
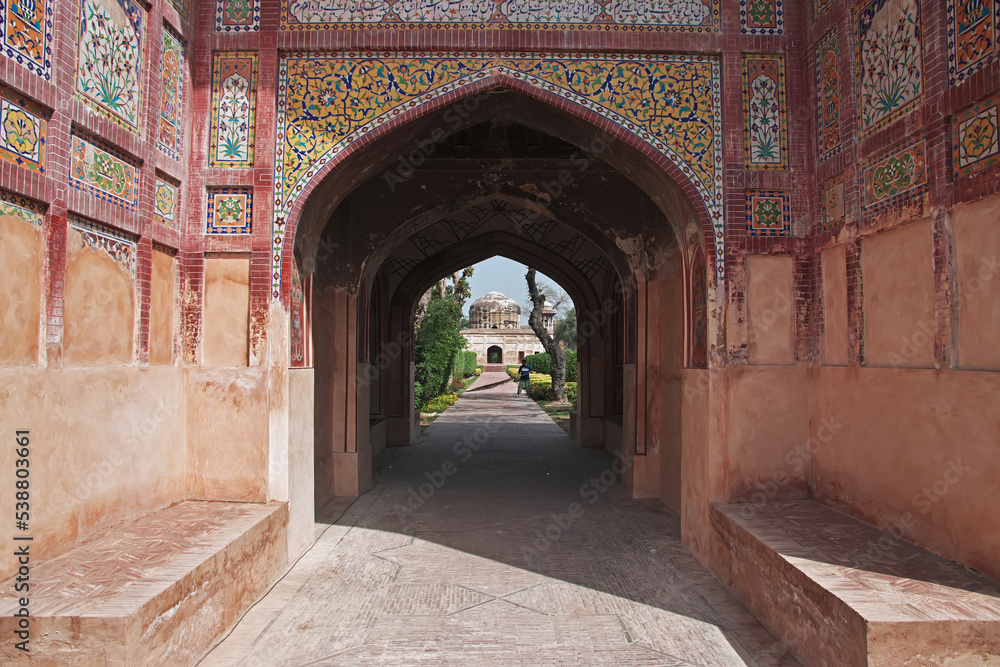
(494, 354)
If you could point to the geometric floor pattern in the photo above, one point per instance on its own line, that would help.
(496, 541)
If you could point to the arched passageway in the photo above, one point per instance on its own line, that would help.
(613, 228)
(494, 354)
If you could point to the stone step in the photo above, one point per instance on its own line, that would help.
(838, 591)
(494, 368)
(159, 590)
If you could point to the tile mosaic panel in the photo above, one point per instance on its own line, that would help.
(889, 57)
(17, 206)
(894, 176)
(104, 172)
(230, 210)
(23, 126)
(833, 211)
(168, 137)
(26, 34)
(768, 213)
(765, 134)
(976, 137)
(237, 15)
(820, 6)
(296, 314)
(234, 107)
(180, 6)
(166, 204)
(116, 244)
(109, 59)
(658, 15)
(828, 95)
(670, 102)
(762, 17)
(972, 36)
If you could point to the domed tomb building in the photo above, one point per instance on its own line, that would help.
(495, 331)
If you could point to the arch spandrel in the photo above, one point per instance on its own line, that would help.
(328, 102)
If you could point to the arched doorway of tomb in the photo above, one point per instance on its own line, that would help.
(494, 354)
(616, 229)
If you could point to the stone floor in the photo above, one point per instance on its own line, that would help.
(496, 541)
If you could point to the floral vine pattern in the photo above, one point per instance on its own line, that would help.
(234, 104)
(168, 137)
(102, 171)
(26, 34)
(828, 94)
(764, 115)
(326, 102)
(894, 176)
(23, 125)
(976, 137)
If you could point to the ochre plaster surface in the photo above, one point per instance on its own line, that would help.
(977, 246)
(22, 256)
(898, 270)
(913, 451)
(99, 307)
(161, 309)
(301, 507)
(108, 446)
(227, 434)
(835, 339)
(227, 310)
(769, 310)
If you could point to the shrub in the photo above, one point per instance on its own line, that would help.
(512, 371)
(479, 370)
(464, 364)
(440, 403)
(571, 392)
(542, 363)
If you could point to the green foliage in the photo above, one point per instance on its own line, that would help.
(441, 403)
(542, 363)
(464, 364)
(541, 388)
(512, 371)
(564, 332)
(438, 341)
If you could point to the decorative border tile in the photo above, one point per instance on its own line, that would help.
(820, 6)
(976, 137)
(230, 211)
(237, 15)
(234, 109)
(828, 96)
(832, 205)
(692, 142)
(888, 60)
(115, 243)
(605, 15)
(103, 171)
(23, 129)
(109, 58)
(166, 203)
(762, 17)
(168, 137)
(894, 176)
(972, 37)
(180, 6)
(27, 40)
(765, 117)
(17, 206)
(768, 213)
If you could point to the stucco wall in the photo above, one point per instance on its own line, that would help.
(22, 254)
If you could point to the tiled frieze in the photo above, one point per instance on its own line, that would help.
(168, 137)
(26, 34)
(103, 171)
(765, 116)
(234, 107)
(768, 213)
(23, 126)
(894, 176)
(230, 210)
(828, 95)
(976, 137)
(166, 203)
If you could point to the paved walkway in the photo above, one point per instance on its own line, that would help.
(494, 541)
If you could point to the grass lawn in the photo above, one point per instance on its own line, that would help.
(559, 413)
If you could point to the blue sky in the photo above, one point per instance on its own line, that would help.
(499, 274)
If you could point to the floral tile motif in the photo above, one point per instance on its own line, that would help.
(26, 34)
(104, 172)
(828, 94)
(762, 17)
(180, 6)
(972, 36)
(894, 176)
(230, 210)
(17, 206)
(237, 15)
(768, 213)
(619, 87)
(832, 203)
(234, 106)
(889, 57)
(116, 244)
(168, 137)
(976, 137)
(656, 15)
(297, 314)
(23, 125)
(109, 59)
(820, 6)
(765, 137)
(167, 202)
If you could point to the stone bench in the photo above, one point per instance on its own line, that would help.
(159, 590)
(838, 591)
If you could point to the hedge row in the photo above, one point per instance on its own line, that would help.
(541, 388)
(464, 364)
(542, 363)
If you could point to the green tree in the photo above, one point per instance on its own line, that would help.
(438, 335)
(565, 330)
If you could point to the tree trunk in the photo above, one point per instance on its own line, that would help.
(548, 342)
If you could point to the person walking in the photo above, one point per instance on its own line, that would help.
(524, 379)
